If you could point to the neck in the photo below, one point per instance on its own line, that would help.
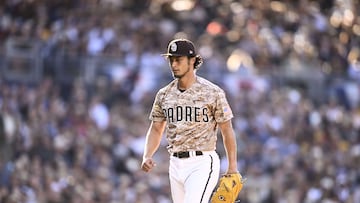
(186, 82)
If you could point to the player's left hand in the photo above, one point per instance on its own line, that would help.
(228, 188)
(147, 164)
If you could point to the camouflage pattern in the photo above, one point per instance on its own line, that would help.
(192, 115)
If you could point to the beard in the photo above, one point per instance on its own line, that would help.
(178, 76)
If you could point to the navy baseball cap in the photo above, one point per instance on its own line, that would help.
(180, 47)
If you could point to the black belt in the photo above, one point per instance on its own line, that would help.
(187, 154)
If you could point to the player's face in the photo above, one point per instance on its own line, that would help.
(180, 66)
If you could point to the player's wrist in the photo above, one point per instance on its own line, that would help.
(147, 157)
(232, 171)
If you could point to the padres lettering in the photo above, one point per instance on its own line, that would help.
(186, 113)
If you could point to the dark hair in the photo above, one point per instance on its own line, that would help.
(198, 61)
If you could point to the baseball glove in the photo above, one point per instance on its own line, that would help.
(228, 188)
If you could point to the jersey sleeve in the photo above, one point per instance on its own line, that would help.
(157, 113)
(223, 111)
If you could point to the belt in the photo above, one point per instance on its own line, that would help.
(187, 154)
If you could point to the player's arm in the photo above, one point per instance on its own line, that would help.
(230, 145)
(152, 143)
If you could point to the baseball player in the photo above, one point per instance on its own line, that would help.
(190, 109)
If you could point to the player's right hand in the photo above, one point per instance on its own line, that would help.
(147, 164)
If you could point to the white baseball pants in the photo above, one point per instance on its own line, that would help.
(193, 179)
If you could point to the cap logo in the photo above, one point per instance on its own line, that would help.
(173, 47)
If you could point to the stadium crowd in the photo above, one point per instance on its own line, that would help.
(84, 144)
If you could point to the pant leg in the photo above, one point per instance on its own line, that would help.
(176, 183)
(202, 179)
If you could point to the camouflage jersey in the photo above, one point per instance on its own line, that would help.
(192, 115)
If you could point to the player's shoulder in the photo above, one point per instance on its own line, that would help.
(166, 89)
(208, 84)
